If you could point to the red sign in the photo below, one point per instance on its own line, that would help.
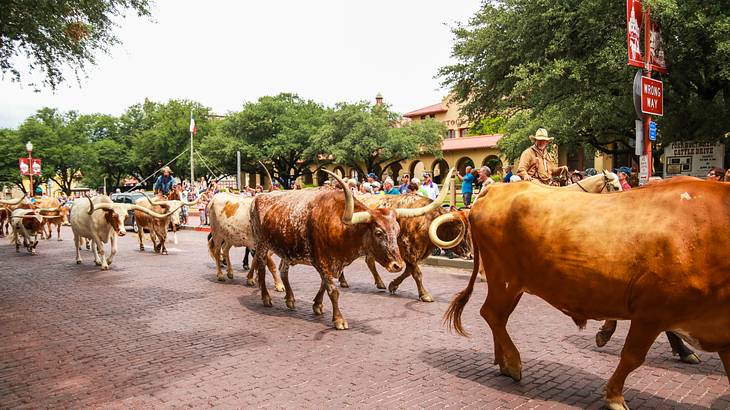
(634, 20)
(33, 168)
(658, 63)
(652, 96)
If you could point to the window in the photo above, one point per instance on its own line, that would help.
(452, 134)
(432, 116)
(423, 117)
(463, 132)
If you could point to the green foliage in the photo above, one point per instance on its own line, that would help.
(562, 65)
(12, 148)
(366, 138)
(53, 35)
(489, 126)
(275, 130)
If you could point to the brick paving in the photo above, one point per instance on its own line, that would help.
(160, 332)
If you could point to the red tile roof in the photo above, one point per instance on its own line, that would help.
(478, 141)
(431, 109)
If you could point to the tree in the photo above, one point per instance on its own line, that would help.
(277, 130)
(52, 35)
(112, 149)
(12, 148)
(60, 141)
(366, 137)
(562, 65)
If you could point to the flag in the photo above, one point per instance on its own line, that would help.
(192, 124)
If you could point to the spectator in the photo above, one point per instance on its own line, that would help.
(508, 174)
(372, 178)
(727, 176)
(623, 180)
(484, 177)
(467, 185)
(376, 187)
(412, 188)
(716, 174)
(405, 181)
(515, 178)
(430, 187)
(576, 176)
(388, 188)
(365, 189)
(590, 172)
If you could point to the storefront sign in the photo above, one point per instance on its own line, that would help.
(692, 158)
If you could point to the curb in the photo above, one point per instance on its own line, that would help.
(194, 228)
(449, 263)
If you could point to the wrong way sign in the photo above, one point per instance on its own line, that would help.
(652, 96)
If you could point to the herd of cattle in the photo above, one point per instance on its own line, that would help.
(656, 256)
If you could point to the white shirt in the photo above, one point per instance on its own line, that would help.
(432, 189)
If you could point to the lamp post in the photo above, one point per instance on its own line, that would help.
(29, 148)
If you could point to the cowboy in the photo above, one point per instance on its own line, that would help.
(164, 182)
(537, 162)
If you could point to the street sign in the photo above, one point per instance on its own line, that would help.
(643, 169)
(652, 96)
(652, 131)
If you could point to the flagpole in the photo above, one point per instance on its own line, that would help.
(192, 169)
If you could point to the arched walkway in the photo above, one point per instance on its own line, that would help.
(339, 171)
(439, 169)
(392, 171)
(321, 177)
(416, 169)
(462, 163)
(494, 163)
(307, 177)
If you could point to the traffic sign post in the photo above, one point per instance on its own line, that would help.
(652, 131)
(652, 96)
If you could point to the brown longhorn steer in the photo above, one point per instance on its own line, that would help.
(55, 215)
(157, 226)
(413, 241)
(328, 229)
(26, 223)
(673, 276)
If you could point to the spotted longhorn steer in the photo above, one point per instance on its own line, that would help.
(230, 225)
(56, 214)
(26, 223)
(414, 242)
(102, 227)
(158, 226)
(328, 229)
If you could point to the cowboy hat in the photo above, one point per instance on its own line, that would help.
(540, 135)
(166, 169)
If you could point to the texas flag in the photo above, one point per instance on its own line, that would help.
(192, 124)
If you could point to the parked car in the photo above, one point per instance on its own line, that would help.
(130, 198)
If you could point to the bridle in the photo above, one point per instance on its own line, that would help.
(606, 180)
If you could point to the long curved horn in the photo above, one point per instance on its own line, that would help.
(267, 172)
(413, 212)
(174, 202)
(98, 207)
(153, 213)
(12, 201)
(349, 216)
(91, 204)
(445, 218)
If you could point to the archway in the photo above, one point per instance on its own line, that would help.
(439, 170)
(339, 171)
(307, 177)
(494, 163)
(462, 163)
(393, 170)
(416, 169)
(321, 177)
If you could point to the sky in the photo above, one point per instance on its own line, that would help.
(226, 53)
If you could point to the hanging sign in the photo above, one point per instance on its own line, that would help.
(29, 166)
(634, 19)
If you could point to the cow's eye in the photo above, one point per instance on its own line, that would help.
(379, 232)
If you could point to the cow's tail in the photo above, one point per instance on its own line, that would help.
(211, 246)
(452, 317)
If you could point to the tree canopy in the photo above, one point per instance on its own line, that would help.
(52, 35)
(561, 64)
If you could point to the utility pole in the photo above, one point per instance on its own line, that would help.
(238, 170)
(192, 131)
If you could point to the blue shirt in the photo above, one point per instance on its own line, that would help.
(508, 176)
(467, 184)
(164, 184)
(392, 191)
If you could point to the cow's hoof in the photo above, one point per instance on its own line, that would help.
(616, 404)
(344, 284)
(602, 339)
(380, 285)
(97, 263)
(164, 251)
(290, 304)
(59, 239)
(392, 287)
(250, 282)
(279, 287)
(105, 267)
(426, 298)
(341, 324)
(267, 301)
(78, 262)
(141, 248)
(318, 308)
(230, 275)
(245, 267)
(221, 278)
(515, 374)
(691, 358)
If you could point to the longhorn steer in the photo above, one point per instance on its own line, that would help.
(413, 241)
(56, 214)
(158, 226)
(101, 227)
(328, 229)
(673, 276)
(230, 225)
(28, 223)
(6, 209)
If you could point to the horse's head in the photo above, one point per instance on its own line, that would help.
(611, 182)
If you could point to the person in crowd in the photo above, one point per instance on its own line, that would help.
(467, 185)
(484, 177)
(508, 173)
(716, 174)
(412, 188)
(431, 188)
(372, 178)
(164, 183)
(590, 172)
(537, 162)
(376, 187)
(623, 179)
(365, 189)
(388, 188)
(727, 176)
(515, 178)
(405, 181)
(576, 176)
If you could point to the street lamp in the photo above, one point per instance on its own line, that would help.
(29, 148)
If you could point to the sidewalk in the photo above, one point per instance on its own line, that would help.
(194, 222)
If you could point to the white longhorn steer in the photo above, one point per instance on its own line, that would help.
(102, 227)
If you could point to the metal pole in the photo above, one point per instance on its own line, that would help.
(647, 68)
(30, 174)
(238, 170)
(104, 185)
(192, 168)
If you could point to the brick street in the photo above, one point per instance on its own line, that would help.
(160, 332)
